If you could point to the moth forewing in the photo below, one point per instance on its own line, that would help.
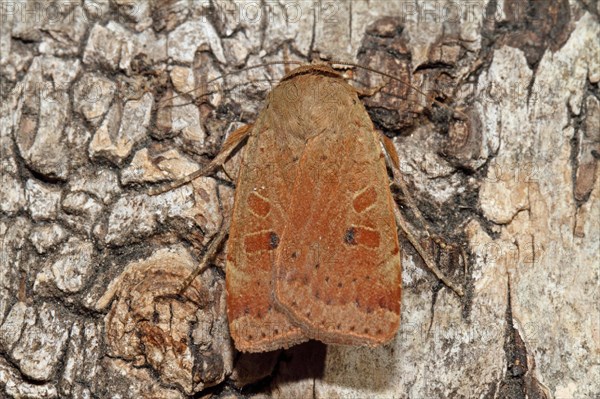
(257, 221)
(337, 269)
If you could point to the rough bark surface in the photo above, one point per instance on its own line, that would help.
(90, 263)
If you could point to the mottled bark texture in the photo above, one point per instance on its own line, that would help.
(90, 264)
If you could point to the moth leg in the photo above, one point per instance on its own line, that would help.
(209, 254)
(230, 144)
(394, 164)
(422, 253)
(399, 181)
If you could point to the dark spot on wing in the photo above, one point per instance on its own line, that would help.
(350, 236)
(273, 240)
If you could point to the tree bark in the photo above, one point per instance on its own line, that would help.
(100, 102)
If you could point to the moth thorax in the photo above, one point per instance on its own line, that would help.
(309, 105)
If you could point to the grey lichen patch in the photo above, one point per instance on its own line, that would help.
(103, 184)
(44, 110)
(177, 117)
(92, 96)
(501, 196)
(42, 200)
(45, 236)
(121, 130)
(80, 211)
(20, 315)
(14, 258)
(186, 38)
(137, 15)
(15, 58)
(15, 387)
(41, 344)
(168, 165)
(69, 23)
(149, 324)
(82, 360)
(130, 217)
(103, 48)
(115, 47)
(12, 195)
(71, 268)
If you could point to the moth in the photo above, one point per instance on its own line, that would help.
(313, 248)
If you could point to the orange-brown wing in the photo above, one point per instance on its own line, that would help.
(337, 269)
(262, 193)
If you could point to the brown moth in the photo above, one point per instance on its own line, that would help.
(313, 250)
(313, 247)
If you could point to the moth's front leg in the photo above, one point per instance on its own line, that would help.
(393, 163)
(232, 142)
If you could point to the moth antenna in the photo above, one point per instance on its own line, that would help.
(208, 93)
(222, 76)
(398, 79)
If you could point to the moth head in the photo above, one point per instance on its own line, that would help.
(319, 68)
